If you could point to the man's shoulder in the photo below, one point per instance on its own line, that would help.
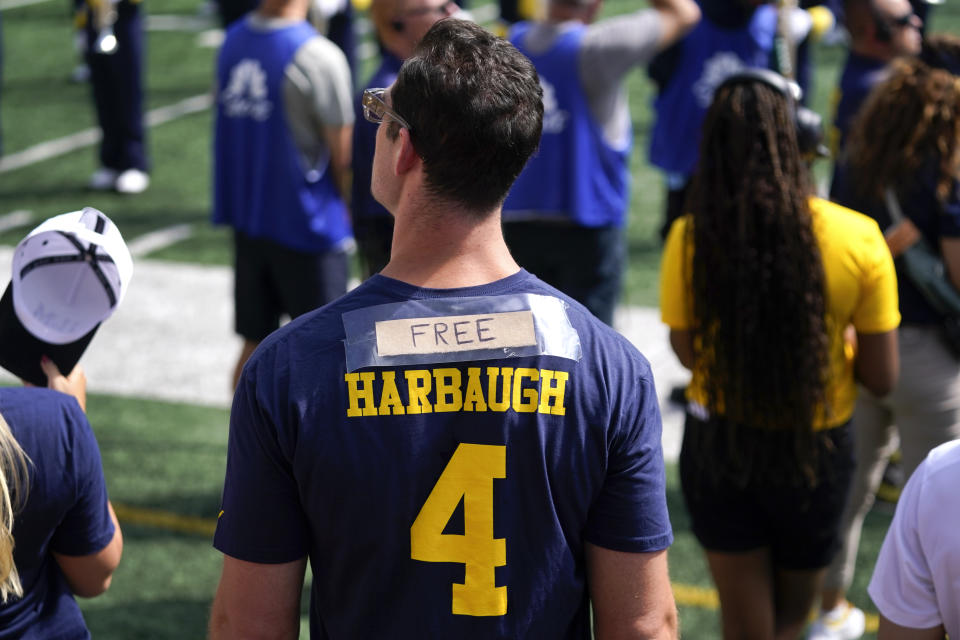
(319, 52)
(942, 464)
(601, 344)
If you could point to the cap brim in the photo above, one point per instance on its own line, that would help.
(20, 350)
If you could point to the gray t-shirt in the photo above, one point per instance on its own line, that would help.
(317, 90)
(610, 48)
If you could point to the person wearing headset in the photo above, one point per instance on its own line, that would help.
(880, 30)
(759, 283)
(399, 25)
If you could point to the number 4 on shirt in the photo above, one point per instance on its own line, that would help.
(469, 475)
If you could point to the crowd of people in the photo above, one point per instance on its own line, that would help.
(462, 446)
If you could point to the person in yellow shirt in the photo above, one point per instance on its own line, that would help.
(759, 284)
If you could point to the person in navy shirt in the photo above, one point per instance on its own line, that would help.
(915, 158)
(65, 537)
(115, 58)
(459, 450)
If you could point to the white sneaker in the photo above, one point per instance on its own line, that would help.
(132, 181)
(845, 622)
(102, 179)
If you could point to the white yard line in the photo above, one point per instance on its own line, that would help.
(176, 22)
(14, 4)
(14, 219)
(159, 239)
(88, 137)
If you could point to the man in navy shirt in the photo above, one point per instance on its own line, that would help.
(460, 450)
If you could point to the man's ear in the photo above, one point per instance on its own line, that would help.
(407, 157)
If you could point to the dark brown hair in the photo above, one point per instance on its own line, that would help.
(758, 286)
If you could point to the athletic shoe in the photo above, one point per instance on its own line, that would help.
(102, 179)
(132, 182)
(845, 622)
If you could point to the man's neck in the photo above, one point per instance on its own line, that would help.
(559, 14)
(873, 50)
(447, 249)
(283, 9)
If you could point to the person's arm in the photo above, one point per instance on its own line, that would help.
(257, 601)
(90, 575)
(950, 250)
(73, 385)
(891, 631)
(682, 342)
(631, 595)
(878, 361)
(339, 140)
(677, 18)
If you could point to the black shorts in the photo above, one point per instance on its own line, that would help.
(272, 280)
(800, 525)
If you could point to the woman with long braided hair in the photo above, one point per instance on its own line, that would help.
(759, 283)
(905, 145)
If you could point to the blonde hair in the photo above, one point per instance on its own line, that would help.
(13, 493)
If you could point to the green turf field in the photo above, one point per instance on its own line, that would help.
(164, 462)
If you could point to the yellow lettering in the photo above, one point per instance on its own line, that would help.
(447, 384)
(556, 392)
(390, 401)
(419, 383)
(492, 376)
(520, 394)
(355, 394)
(474, 395)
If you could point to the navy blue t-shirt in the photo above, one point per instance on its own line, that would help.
(860, 75)
(66, 511)
(919, 203)
(439, 496)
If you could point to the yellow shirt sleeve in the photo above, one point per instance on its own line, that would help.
(878, 310)
(675, 273)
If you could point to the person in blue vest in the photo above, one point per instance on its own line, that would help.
(732, 35)
(457, 448)
(338, 27)
(880, 30)
(281, 163)
(399, 26)
(564, 217)
(114, 54)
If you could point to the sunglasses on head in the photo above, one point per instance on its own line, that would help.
(375, 108)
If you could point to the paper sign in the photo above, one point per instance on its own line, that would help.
(448, 334)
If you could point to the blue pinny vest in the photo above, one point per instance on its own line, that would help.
(262, 186)
(709, 54)
(575, 175)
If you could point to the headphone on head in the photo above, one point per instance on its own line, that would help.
(808, 123)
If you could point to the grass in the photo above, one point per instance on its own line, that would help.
(169, 458)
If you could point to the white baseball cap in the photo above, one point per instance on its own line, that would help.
(69, 275)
